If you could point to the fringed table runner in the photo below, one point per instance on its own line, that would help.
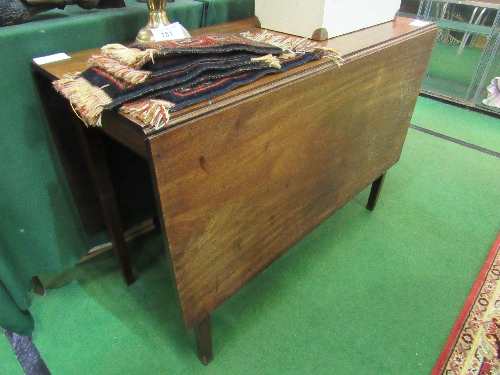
(148, 81)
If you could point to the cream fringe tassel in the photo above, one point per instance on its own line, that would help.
(122, 72)
(154, 113)
(270, 60)
(86, 99)
(294, 45)
(132, 57)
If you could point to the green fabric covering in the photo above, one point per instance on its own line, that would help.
(40, 229)
(217, 11)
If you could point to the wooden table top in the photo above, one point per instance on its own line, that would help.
(350, 46)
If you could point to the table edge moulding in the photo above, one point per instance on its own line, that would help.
(240, 179)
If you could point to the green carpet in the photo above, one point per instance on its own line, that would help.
(447, 64)
(479, 129)
(451, 75)
(365, 293)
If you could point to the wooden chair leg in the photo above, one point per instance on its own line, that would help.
(203, 336)
(374, 193)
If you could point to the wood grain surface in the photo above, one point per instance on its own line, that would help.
(240, 186)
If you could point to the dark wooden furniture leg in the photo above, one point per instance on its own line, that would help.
(374, 192)
(203, 336)
(96, 156)
(68, 130)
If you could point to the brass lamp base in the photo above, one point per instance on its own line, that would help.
(157, 19)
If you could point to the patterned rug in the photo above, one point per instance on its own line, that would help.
(148, 81)
(473, 347)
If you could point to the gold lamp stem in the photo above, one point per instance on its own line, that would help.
(157, 19)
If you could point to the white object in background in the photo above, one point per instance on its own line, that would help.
(493, 99)
(51, 58)
(419, 23)
(323, 19)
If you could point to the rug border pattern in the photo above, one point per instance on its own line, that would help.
(466, 351)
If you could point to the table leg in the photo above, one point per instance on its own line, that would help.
(95, 154)
(203, 336)
(374, 192)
